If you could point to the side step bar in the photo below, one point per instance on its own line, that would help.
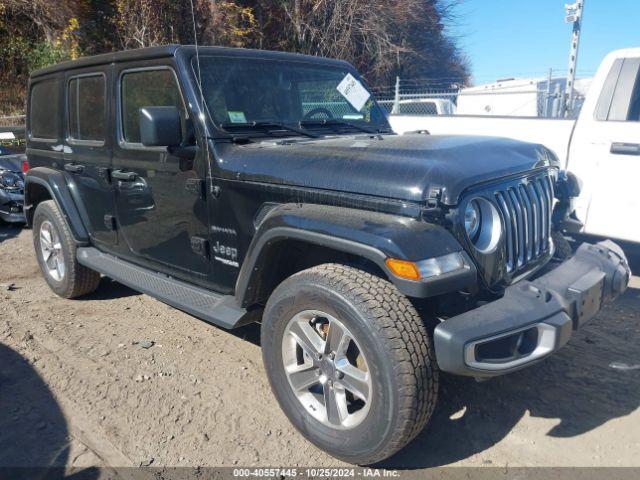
(221, 310)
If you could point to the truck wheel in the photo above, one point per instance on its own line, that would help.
(56, 254)
(350, 362)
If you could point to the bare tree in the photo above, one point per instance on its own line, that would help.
(371, 33)
(144, 23)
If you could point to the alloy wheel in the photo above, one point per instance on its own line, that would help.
(51, 249)
(326, 369)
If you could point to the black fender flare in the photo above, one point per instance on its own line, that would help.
(61, 192)
(371, 235)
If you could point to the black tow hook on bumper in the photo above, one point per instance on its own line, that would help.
(534, 318)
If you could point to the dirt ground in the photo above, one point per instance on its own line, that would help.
(78, 388)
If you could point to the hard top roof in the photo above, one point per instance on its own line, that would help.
(171, 50)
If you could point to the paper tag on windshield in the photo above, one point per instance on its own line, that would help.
(354, 92)
(237, 117)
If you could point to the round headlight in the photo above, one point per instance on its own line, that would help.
(472, 219)
(483, 225)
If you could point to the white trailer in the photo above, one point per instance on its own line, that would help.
(523, 97)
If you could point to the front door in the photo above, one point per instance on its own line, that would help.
(161, 208)
(606, 156)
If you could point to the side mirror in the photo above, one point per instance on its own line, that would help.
(160, 127)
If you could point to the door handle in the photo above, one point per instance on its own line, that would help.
(74, 168)
(625, 148)
(124, 176)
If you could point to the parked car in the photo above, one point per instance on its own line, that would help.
(601, 147)
(12, 167)
(372, 261)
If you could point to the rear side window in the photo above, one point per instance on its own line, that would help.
(624, 103)
(634, 108)
(44, 110)
(86, 105)
(604, 102)
(148, 88)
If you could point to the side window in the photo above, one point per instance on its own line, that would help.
(148, 88)
(44, 114)
(86, 105)
(609, 86)
(624, 105)
(319, 93)
(634, 107)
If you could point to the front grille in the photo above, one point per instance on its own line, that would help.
(526, 208)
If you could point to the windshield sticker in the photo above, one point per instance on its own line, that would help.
(354, 92)
(353, 117)
(237, 117)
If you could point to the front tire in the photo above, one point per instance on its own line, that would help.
(350, 362)
(56, 253)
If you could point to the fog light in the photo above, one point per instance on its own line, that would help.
(511, 349)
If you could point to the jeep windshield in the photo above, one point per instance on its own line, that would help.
(265, 97)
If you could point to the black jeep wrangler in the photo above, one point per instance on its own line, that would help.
(246, 186)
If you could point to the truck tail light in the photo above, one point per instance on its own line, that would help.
(25, 166)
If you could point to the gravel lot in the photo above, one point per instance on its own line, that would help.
(78, 388)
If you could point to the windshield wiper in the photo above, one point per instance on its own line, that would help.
(267, 125)
(337, 122)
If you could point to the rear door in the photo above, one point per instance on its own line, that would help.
(605, 154)
(162, 213)
(87, 149)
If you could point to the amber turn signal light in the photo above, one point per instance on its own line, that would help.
(403, 269)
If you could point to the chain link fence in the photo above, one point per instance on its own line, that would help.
(419, 101)
(12, 121)
(419, 97)
(536, 97)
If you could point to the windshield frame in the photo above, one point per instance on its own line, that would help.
(382, 126)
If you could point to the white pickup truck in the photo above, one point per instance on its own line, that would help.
(602, 147)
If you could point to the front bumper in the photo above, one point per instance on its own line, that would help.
(12, 206)
(534, 318)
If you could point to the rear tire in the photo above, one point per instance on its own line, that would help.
(389, 339)
(56, 253)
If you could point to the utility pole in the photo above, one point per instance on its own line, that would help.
(574, 16)
(396, 98)
(547, 98)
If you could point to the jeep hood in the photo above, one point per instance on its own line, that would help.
(403, 167)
